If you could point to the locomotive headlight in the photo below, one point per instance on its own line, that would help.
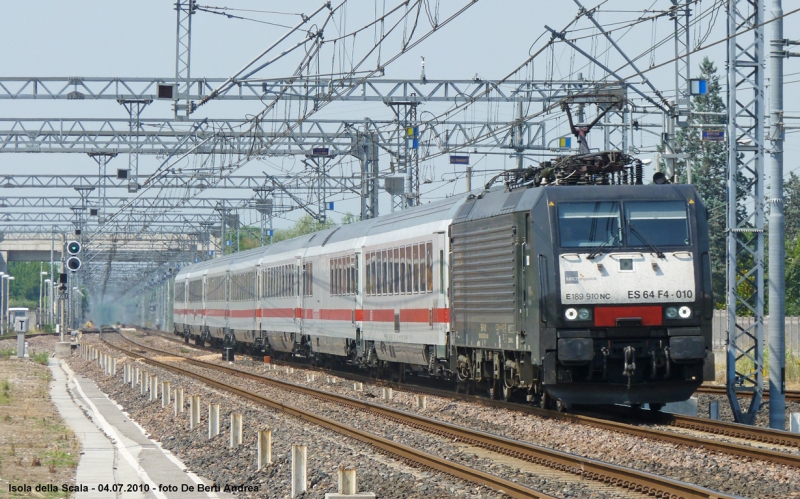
(671, 313)
(571, 314)
(584, 314)
(685, 312)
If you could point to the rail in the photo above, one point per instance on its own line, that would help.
(639, 481)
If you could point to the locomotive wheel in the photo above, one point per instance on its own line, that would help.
(548, 402)
(186, 338)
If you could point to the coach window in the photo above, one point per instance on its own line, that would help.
(390, 272)
(429, 265)
(385, 268)
(415, 268)
(378, 276)
(403, 270)
(380, 273)
(341, 278)
(409, 271)
(423, 281)
(396, 272)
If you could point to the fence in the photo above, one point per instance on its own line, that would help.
(720, 331)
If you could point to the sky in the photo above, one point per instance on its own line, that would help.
(489, 40)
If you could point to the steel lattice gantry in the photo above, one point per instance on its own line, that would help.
(745, 223)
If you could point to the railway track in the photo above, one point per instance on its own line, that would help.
(722, 428)
(586, 468)
(791, 395)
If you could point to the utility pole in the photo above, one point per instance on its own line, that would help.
(776, 273)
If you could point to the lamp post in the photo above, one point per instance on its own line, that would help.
(39, 313)
(8, 295)
(47, 294)
(3, 296)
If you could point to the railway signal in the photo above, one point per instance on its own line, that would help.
(73, 262)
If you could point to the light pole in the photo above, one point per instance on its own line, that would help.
(47, 299)
(39, 313)
(3, 301)
(8, 295)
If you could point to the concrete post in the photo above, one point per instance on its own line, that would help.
(213, 420)
(178, 401)
(358, 386)
(134, 376)
(153, 388)
(309, 377)
(125, 377)
(422, 401)
(264, 448)
(794, 422)
(113, 366)
(299, 456)
(165, 393)
(194, 411)
(387, 394)
(145, 383)
(347, 481)
(236, 430)
(713, 410)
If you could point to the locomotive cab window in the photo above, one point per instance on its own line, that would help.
(582, 225)
(661, 223)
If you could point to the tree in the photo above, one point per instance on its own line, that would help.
(709, 171)
(791, 217)
(791, 208)
(24, 289)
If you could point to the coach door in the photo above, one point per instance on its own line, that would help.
(203, 299)
(227, 299)
(257, 319)
(300, 293)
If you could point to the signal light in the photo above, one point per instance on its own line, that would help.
(73, 263)
(73, 247)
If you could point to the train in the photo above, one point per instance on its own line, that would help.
(569, 283)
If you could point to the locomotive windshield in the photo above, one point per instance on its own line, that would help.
(661, 223)
(582, 225)
(647, 223)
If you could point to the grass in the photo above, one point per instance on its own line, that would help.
(745, 365)
(5, 353)
(5, 392)
(40, 358)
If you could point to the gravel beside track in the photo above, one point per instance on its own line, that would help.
(385, 484)
(709, 469)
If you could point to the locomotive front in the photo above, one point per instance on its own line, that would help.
(628, 318)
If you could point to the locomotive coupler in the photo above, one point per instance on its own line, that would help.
(630, 363)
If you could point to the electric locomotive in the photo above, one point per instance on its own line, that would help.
(570, 283)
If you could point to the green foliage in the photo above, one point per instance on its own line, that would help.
(792, 276)
(250, 237)
(40, 358)
(791, 207)
(5, 353)
(5, 392)
(709, 171)
(24, 289)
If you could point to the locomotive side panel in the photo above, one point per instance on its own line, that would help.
(486, 257)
